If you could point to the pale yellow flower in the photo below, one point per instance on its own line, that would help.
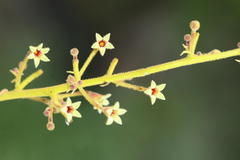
(102, 43)
(69, 110)
(113, 114)
(154, 91)
(37, 53)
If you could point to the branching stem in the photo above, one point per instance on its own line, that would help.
(47, 91)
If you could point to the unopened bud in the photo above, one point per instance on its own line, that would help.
(3, 91)
(50, 126)
(199, 53)
(215, 51)
(238, 44)
(187, 37)
(46, 112)
(194, 25)
(74, 52)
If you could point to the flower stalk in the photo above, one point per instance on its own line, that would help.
(60, 88)
(53, 96)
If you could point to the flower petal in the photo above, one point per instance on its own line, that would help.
(102, 50)
(99, 110)
(69, 102)
(153, 84)
(32, 48)
(95, 45)
(109, 121)
(148, 91)
(107, 95)
(109, 46)
(76, 114)
(31, 56)
(64, 110)
(39, 47)
(107, 37)
(121, 111)
(44, 58)
(116, 105)
(98, 37)
(105, 102)
(118, 120)
(36, 62)
(161, 87)
(153, 99)
(45, 50)
(160, 96)
(68, 119)
(76, 105)
(237, 60)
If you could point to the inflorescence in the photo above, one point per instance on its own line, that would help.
(58, 98)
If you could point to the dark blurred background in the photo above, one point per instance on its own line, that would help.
(198, 121)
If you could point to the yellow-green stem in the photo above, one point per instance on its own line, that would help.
(29, 79)
(22, 67)
(47, 91)
(130, 86)
(112, 66)
(87, 62)
(88, 98)
(193, 42)
(42, 100)
(76, 69)
(78, 74)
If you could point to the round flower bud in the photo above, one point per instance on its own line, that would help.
(199, 53)
(187, 37)
(74, 52)
(194, 25)
(50, 126)
(215, 51)
(46, 111)
(238, 44)
(3, 91)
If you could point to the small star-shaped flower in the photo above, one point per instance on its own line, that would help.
(154, 91)
(113, 114)
(37, 53)
(102, 43)
(69, 110)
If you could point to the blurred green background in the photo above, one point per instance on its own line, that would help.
(198, 121)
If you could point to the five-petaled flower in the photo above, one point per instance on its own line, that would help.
(113, 114)
(154, 91)
(102, 43)
(69, 110)
(37, 53)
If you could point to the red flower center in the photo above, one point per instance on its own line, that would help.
(154, 91)
(102, 43)
(37, 53)
(113, 112)
(69, 109)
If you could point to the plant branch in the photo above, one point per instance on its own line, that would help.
(47, 91)
(87, 62)
(30, 78)
(22, 67)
